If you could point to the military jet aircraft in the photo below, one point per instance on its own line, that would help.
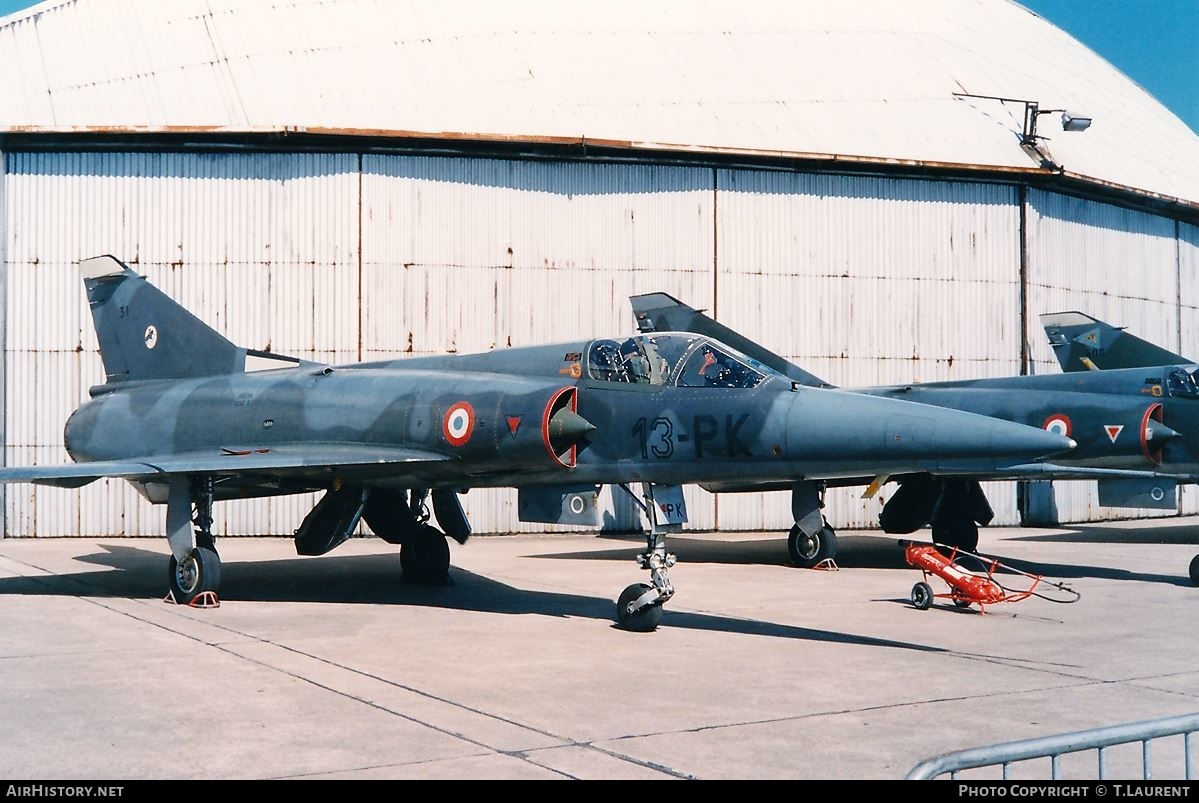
(1118, 423)
(186, 419)
(1111, 357)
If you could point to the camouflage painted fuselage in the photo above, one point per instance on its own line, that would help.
(488, 420)
(1129, 418)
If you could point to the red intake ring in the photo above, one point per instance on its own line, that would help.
(564, 455)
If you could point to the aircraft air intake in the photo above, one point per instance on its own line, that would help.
(1155, 434)
(562, 427)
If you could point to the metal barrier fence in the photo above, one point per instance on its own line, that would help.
(1054, 747)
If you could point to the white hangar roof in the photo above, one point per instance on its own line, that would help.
(856, 81)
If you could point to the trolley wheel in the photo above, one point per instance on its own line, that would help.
(922, 596)
(961, 603)
(1195, 570)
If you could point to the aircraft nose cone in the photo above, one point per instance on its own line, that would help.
(903, 435)
(1008, 439)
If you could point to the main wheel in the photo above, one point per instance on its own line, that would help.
(922, 596)
(809, 550)
(199, 571)
(644, 620)
(961, 603)
(1195, 570)
(425, 558)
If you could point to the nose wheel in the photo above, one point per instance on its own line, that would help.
(636, 614)
(639, 606)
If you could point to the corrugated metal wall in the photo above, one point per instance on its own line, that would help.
(341, 257)
(1116, 264)
(1188, 324)
(3, 325)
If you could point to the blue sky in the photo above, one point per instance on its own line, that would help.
(1153, 42)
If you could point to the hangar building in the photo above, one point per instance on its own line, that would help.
(853, 184)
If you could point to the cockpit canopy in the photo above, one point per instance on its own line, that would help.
(1183, 383)
(674, 358)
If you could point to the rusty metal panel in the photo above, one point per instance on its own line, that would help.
(1116, 264)
(479, 253)
(1188, 325)
(871, 281)
(1188, 290)
(4, 229)
(262, 246)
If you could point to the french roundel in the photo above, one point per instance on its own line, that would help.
(459, 423)
(1059, 423)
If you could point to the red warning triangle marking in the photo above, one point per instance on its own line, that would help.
(513, 424)
(1113, 431)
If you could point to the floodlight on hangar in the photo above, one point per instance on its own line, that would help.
(1071, 121)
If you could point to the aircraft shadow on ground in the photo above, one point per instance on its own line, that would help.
(858, 552)
(375, 579)
(854, 551)
(1164, 534)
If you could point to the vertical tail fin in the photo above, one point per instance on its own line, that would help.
(143, 334)
(1083, 343)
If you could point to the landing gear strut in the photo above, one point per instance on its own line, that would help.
(639, 606)
(811, 540)
(194, 569)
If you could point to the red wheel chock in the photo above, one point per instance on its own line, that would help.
(205, 599)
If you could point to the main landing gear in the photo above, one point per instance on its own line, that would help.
(954, 507)
(194, 569)
(424, 550)
(639, 606)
